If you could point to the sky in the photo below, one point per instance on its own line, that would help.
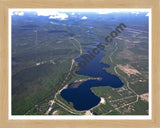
(62, 15)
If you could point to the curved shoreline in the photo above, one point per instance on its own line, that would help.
(82, 97)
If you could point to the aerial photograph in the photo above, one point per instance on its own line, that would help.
(80, 62)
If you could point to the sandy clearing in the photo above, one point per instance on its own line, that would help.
(128, 69)
(88, 113)
(145, 96)
(103, 100)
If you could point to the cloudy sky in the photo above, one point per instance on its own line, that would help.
(62, 15)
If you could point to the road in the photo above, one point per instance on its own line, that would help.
(55, 98)
(124, 79)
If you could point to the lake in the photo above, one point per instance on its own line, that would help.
(82, 97)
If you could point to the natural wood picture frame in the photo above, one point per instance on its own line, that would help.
(5, 5)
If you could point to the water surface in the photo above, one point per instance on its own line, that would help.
(82, 97)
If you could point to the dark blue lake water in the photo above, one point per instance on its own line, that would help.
(82, 97)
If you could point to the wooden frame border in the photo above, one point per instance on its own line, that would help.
(4, 75)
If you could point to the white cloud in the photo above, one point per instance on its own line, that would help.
(106, 11)
(51, 17)
(17, 13)
(46, 12)
(84, 18)
(139, 13)
(147, 14)
(21, 13)
(61, 16)
(135, 12)
(53, 14)
(73, 13)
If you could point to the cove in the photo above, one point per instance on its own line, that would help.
(82, 97)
